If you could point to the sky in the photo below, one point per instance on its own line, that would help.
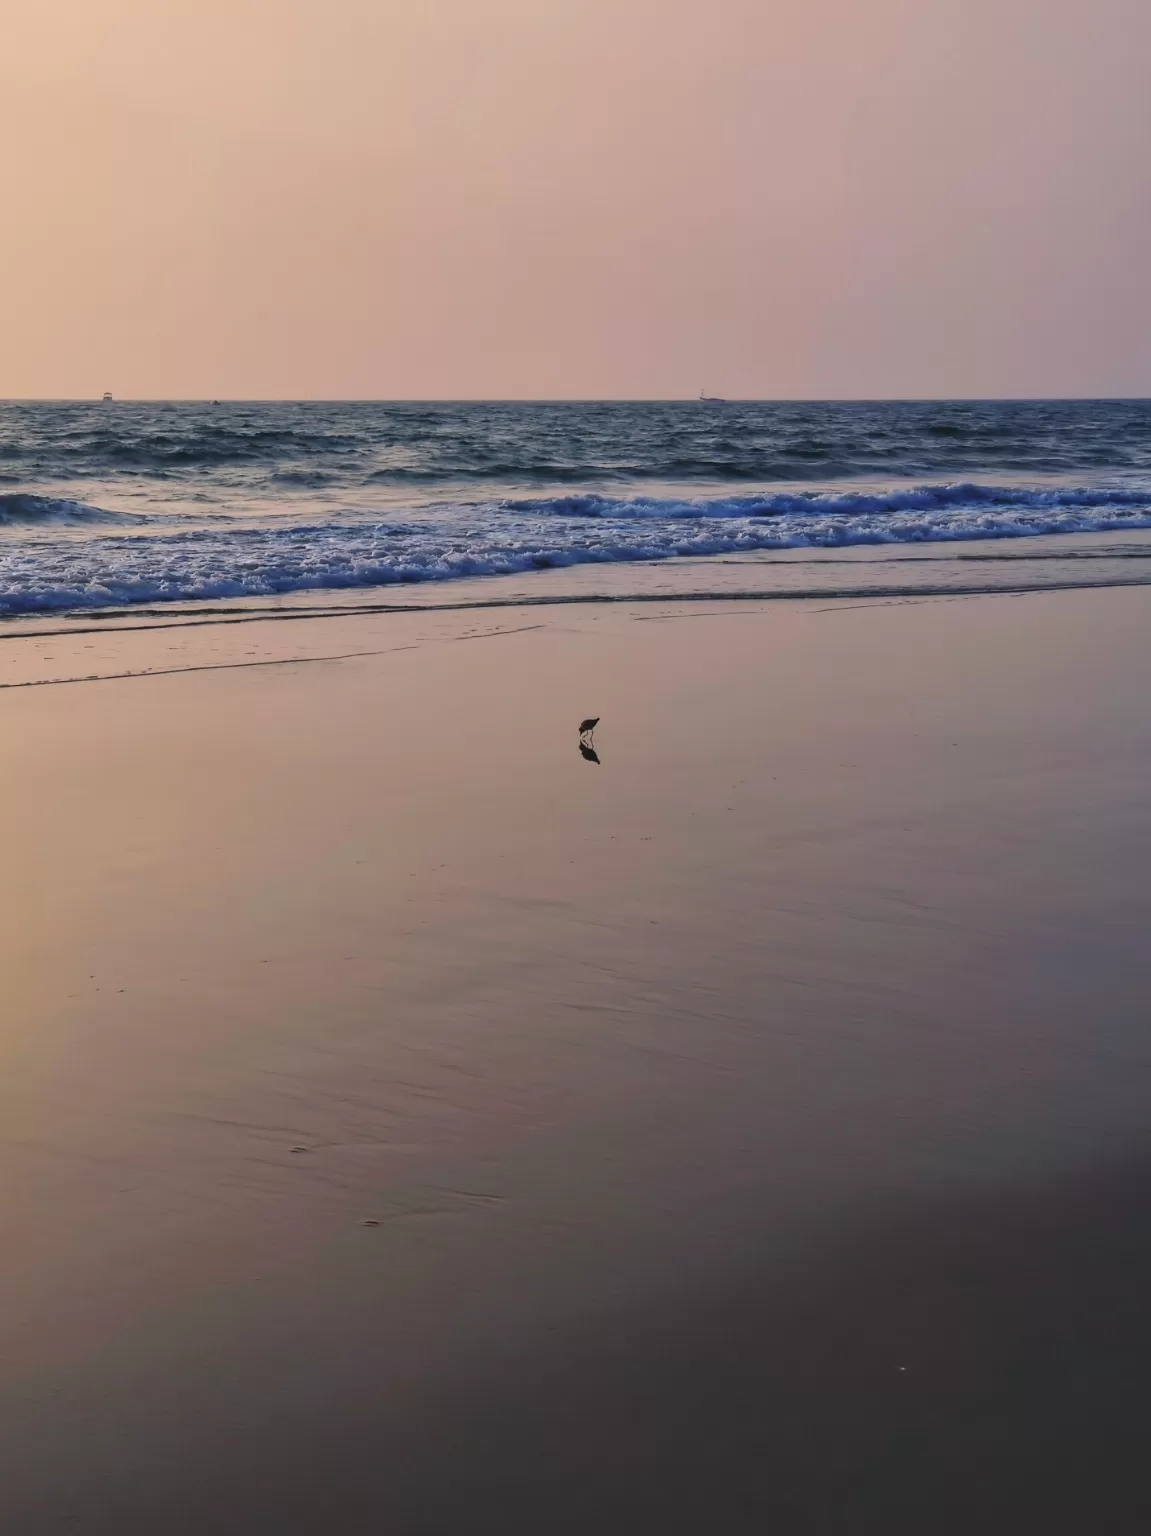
(378, 199)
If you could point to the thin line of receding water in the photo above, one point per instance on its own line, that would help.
(235, 666)
(877, 598)
(113, 621)
(207, 666)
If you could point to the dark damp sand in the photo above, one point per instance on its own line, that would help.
(753, 1127)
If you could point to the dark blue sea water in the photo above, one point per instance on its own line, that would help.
(106, 505)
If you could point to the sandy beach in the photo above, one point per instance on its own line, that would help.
(420, 1116)
(410, 1125)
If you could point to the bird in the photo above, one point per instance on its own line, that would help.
(588, 725)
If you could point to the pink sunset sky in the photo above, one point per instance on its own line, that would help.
(575, 198)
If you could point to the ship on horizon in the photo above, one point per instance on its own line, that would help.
(706, 399)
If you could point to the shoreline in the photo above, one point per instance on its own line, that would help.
(824, 570)
(1066, 562)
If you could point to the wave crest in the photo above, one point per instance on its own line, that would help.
(916, 498)
(18, 508)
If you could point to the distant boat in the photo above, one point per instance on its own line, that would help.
(706, 399)
(107, 397)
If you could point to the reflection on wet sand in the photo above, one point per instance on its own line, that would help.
(405, 1129)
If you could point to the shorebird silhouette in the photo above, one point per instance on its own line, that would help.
(588, 726)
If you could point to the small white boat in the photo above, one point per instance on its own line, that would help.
(107, 397)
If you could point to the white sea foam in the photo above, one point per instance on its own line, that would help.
(440, 543)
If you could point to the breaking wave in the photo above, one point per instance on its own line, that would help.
(508, 538)
(917, 498)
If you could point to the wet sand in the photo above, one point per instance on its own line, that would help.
(412, 1126)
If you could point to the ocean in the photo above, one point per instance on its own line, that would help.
(107, 506)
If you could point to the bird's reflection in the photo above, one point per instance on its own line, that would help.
(589, 754)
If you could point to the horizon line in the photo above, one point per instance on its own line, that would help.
(1019, 399)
